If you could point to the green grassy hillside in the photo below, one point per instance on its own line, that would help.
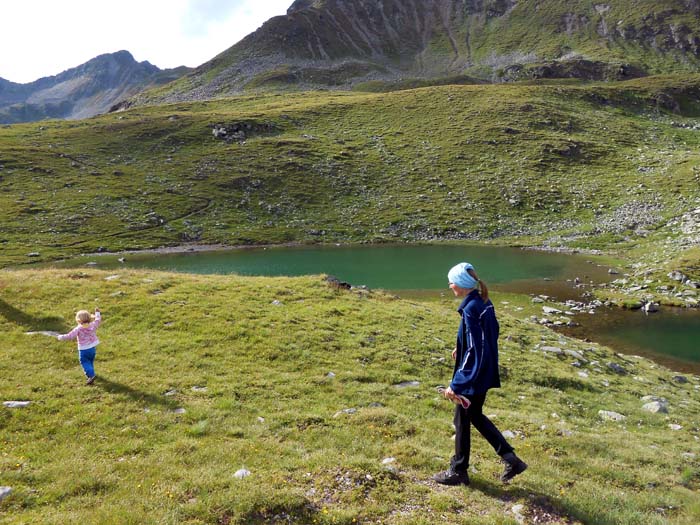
(200, 376)
(610, 166)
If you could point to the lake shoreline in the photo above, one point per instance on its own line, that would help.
(196, 248)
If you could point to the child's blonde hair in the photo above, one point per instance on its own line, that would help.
(84, 317)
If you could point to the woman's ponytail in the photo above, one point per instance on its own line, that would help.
(483, 290)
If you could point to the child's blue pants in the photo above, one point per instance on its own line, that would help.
(87, 358)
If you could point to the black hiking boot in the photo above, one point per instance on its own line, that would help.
(514, 466)
(452, 477)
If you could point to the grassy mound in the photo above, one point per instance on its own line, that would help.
(248, 359)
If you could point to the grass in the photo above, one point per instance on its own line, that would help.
(120, 453)
(554, 164)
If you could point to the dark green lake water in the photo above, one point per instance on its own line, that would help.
(417, 267)
(671, 337)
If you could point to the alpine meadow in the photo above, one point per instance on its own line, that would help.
(568, 127)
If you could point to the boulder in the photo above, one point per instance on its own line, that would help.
(656, 407)
(676, 275)
(650, 308)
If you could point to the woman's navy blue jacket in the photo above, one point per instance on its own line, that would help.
(476, 363)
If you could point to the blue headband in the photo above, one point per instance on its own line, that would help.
(458, 275)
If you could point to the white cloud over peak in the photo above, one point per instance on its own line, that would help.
(45, 37)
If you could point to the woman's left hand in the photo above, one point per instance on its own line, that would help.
(449, 393)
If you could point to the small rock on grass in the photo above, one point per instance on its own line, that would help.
(611, 416)
(16, 404)
(407, 384)
(618, 369)
(552, 350)
(518, 513)
(344, 411)
(241, 473)
(4, 492)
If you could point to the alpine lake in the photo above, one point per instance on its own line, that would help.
(419, 272)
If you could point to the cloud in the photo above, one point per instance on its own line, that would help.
(200, 14)
(241, 17)
(44, 37)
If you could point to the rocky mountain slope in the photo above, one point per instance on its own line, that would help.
(81, 92)
(340, 43)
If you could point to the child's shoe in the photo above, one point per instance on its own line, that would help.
(90, 380)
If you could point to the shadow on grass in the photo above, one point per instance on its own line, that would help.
(31, 322)
(112, 387)
(540, 508)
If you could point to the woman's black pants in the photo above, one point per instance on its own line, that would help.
(464, 419)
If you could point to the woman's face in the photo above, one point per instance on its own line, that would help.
(458, 290)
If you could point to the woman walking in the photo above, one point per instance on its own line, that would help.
(475, 372)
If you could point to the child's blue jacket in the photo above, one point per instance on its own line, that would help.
(476, 363)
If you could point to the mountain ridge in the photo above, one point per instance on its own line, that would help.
(80, 92)
(338, 44)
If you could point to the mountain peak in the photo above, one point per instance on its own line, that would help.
(80, 92)
(339, 43)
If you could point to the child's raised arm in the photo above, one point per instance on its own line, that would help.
(98, 318)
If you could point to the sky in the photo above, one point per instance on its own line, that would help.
(42, 38)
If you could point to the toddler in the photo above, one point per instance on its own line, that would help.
(87, 340)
